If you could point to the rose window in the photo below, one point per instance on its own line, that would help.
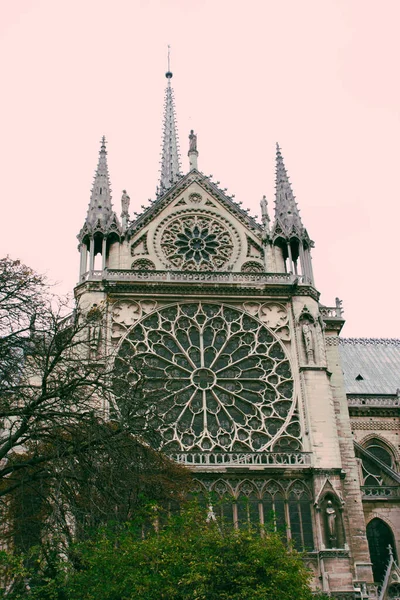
(208, 377)
(195, 242)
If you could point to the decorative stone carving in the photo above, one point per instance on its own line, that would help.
(331, 515)
(252, 308)
(126, 312)
(253, 249)
(196, 242)
(95, 322)
(331, 524)
(215, 378)
(274, 315)
(139, 246)
(143, 264)
(252, 267)
(192, 141)
(195, 197)
(373, 425)
(308, 343)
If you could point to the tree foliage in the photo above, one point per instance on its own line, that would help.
(188, 559)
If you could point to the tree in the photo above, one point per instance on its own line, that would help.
(188, 559)
(63, 462)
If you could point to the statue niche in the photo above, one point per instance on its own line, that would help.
(307, 331)
(331, 514)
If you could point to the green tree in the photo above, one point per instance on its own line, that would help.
(187, 559)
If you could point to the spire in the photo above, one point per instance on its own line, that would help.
(170, 163)
(286, 210)
(100, 216)
(100, 207)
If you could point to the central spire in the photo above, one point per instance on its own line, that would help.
(170, 163)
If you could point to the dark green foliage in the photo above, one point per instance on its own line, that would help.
(188, 559)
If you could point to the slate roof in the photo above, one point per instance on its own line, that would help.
(377, 361)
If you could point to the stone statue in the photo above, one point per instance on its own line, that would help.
(308, 342)
(125, 201)
(331, 524)
(339, 307)
(192, 141)
(94, 329)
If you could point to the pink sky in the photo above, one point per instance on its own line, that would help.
(319, 76)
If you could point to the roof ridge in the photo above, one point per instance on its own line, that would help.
(370, 341)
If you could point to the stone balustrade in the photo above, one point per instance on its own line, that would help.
(373, 492)
(381, 402)
(240, 459)
(191, 276)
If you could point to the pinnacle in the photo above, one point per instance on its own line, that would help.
(100, 213)
(286, 209)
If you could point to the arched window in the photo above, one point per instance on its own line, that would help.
(300, 521)
(394, 591)
(372, 473)
(273, 506)
(248, 510)
(381, 452)
(379, 537)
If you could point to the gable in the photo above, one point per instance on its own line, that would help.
(195, 227)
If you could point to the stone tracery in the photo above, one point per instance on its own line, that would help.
(215, 378)
(196, 242)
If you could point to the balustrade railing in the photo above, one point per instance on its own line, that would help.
(240, 459)
(370, 492)
(191, 276)
(379, 402)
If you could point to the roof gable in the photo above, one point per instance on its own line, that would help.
(209, 187)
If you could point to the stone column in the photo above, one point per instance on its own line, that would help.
(91, 255)
(104, 252)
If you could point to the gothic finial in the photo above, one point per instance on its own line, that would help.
(170, 163)
(286, 211)
(193, 153)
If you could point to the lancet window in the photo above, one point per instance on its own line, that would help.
(280, 508)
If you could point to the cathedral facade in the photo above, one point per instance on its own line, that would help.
(243, 372)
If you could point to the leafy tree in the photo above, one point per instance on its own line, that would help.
(187, 559)
(64, 465)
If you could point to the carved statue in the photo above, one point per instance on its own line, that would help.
(264, 213)
(125, 201)
(94, 329)
(339, 307)
(192, 141)
(331, 524)
(308, 342)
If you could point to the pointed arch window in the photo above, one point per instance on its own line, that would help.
(301, 531)
(372, 472)
(380, 536)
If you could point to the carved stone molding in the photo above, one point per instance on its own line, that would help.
(373, 425)
(332, 341)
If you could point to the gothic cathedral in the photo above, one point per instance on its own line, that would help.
(245, 378)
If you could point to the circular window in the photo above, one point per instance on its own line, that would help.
(208, 377)
(196, 242)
